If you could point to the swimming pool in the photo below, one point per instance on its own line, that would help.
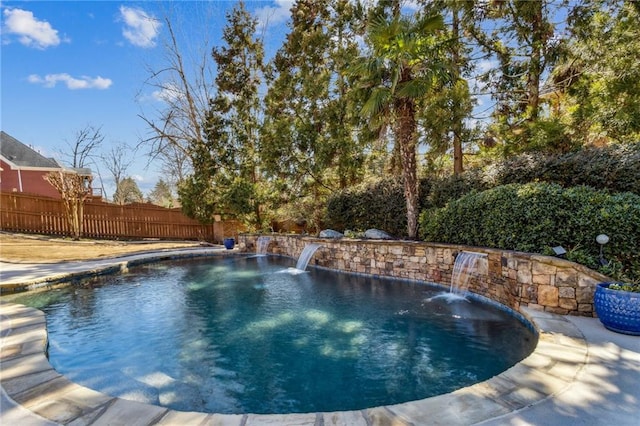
(240, 335)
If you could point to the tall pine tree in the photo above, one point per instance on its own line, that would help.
(227, 177)
(601, 71)
(309, 145)
(521, 36)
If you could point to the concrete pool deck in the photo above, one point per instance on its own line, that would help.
(579, 374)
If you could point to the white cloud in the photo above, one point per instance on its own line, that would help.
(273, 15)
(72, 83)
(30, 31)
(140, 28)
(168, 93)
(486, 65)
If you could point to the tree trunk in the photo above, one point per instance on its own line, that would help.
(406, 137)
(457, 152)
(535, 64)
(457, 121)
(75, 219)
(80, 218)
(68, 212)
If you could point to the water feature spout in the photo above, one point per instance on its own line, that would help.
(465, 266)
(306, 255)
(262, 244)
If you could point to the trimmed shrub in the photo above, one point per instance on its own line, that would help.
(615, 168)
(537, 216)
(453, 187)
(379, 204)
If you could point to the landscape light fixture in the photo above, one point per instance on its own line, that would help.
(559, 251)
(602, 239)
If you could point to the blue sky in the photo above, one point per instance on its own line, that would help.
(70, 64)
(67, 65)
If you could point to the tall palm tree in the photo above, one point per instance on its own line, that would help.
(401, 68)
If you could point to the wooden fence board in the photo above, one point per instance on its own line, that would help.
(42, 215)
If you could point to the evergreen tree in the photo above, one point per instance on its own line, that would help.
(445, 111)
(309, 145)
(227, 176)
(161, 195)
(601, 71)
(127, 192)
(522, 37)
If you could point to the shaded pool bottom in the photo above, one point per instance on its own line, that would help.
(242, 335)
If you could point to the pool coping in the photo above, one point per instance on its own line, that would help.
(28, 379)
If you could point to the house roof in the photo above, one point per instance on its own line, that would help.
(22, 155)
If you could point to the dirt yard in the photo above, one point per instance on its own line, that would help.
(35, 248)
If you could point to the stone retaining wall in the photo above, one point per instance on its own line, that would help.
(514, 279)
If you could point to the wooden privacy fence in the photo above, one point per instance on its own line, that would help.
(42, 215)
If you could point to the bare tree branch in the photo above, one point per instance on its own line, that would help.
(82, 151)
(183, 85)
(118, 160)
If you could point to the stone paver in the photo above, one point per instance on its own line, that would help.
(579, 373)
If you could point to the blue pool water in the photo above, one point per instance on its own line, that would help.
(242, 335)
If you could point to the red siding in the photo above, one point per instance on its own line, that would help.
(32, 181)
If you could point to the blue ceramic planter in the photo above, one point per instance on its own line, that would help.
(229, 243)
(618, 310)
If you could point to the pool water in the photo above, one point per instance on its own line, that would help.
(243, 335)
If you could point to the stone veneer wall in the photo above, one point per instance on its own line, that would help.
(512, 278)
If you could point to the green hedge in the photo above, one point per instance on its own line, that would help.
(453, 187)
(537, 216)
(615, 168)
(379, 204)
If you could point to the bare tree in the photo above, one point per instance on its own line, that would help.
(183, 85)
(82, 151)
(118, 160)
(74, 191)
(174, 165)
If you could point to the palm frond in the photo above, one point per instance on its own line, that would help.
(376, 68)
(377, 102)
(415, 88)
(370, 69)
(359, 67)
(396, 73)
(381, 28)
(429, 24)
